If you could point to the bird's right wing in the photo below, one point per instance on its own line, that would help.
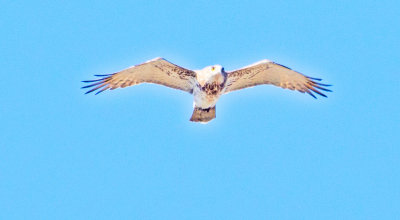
(158, 71)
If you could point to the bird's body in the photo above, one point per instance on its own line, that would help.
(209, 86)
(209, 83)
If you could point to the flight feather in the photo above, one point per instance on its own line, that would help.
(158, 71)
(268, 72)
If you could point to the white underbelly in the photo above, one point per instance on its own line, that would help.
(202, 100)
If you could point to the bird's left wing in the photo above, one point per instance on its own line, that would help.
(267, 72)
(158, 71)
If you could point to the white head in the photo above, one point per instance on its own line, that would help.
(214, 69)
(214, 73)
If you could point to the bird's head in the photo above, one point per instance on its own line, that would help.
(215, 69)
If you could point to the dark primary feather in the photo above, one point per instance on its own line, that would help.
(313, 86)
(102, 82)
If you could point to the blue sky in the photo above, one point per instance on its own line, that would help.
(133, 154)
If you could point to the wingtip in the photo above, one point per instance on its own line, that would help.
(102, 75)
(93, 80)
(313, 78)
(312, 95)
(321, 84)
(322, 88)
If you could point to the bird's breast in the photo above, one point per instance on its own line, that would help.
(212, 89)
(208, 89)
(207, 95)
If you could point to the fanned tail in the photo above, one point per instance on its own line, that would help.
(203, 115)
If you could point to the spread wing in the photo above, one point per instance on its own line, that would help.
(158, 71)
(267, 72)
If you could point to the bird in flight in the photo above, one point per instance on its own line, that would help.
(209, 83)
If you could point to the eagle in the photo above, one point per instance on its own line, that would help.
(208, 84)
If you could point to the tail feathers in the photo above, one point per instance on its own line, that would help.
(203, 115)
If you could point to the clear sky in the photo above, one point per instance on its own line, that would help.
(133, 154)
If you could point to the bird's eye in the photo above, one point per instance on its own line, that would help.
(212, 68)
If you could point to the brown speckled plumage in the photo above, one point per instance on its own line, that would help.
(208, 84)
(275, 74)
(203, 115)
(158, 71)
